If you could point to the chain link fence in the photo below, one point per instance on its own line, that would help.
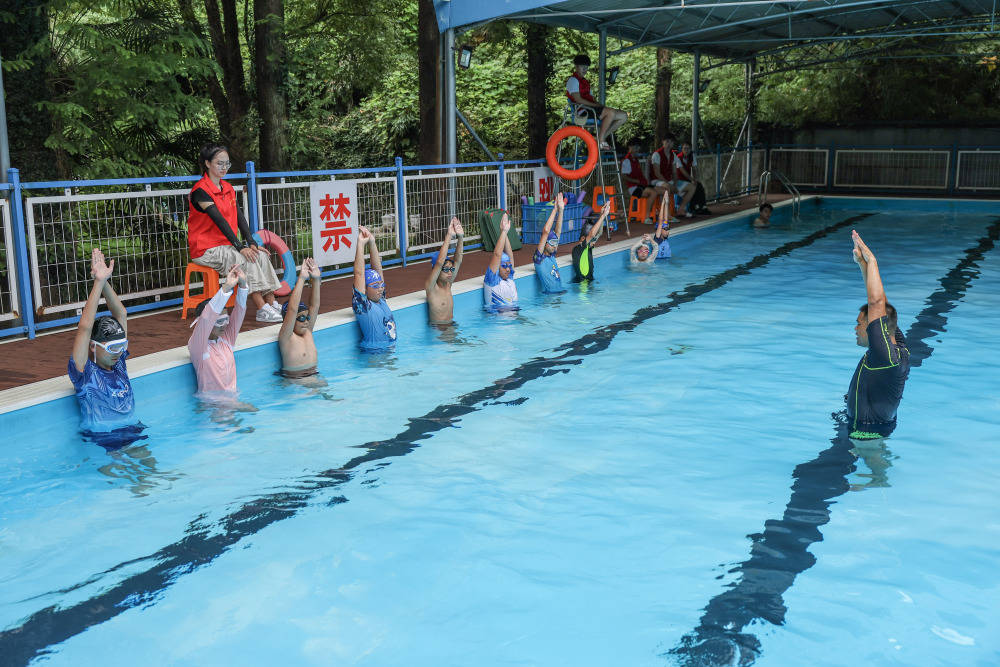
(431, 200)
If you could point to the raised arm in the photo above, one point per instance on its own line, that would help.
(376, 258)
(498, 250)
(292, 311)
(873, 280)
(459, 246)
(359, 258)
(315, 280)
(441, 256)
(595, 231)
(561, 211)
(101, 273)
(548, 224)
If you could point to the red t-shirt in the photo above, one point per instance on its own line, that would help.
(202, 231)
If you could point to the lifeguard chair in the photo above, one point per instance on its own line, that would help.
(574, 157)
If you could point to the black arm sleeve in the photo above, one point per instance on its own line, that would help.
(241, 222)
(198, 197)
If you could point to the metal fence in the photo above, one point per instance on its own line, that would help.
(8, 270)
(284, 208)
(431, 200)
(909, 169)
(978, 170)
(47, 237)
(144, 232)
(808, 167)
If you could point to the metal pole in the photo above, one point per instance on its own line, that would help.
(501, 185)
(602, 66)
(694, 99)
(401, 223)
(4, 147)
(252, 198)
(451, 147)
(21, 256)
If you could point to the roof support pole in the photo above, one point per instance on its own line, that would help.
(4, 147)
(694, 99)
(751, 86)
(450, 138)
(602, 66)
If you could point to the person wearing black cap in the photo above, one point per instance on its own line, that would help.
(578, 92)
(97, 365)
(295, 338)
(877, 385)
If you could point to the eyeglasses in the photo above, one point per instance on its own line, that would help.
(448, 269)
(113, 346)
(223, 165)
(304, 317)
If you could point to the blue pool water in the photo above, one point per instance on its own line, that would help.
(647, 471)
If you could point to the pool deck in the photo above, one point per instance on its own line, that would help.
(32, 371)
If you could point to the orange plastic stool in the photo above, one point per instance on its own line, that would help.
(600, 195)
(210, 285)
(638, 210)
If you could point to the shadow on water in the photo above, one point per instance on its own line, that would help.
(780, 553)
(205, 541)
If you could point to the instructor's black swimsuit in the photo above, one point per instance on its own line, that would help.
(877, 385)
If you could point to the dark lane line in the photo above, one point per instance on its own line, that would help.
(204, 543)
(780, 553)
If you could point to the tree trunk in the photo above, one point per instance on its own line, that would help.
(429, 68)
(271, 71)
(225, 36)
(664, 73)
(539, 71)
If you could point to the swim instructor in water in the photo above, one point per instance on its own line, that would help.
(877, 385)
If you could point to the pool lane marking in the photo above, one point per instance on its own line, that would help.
(779, 553)
(203, 543)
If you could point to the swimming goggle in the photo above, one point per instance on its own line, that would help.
(222, 321)
(507, 265)
(376, 285)
(113, 346)
(448, 269)
(304, 317)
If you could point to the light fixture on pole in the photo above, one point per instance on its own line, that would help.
(465, 56)
(613, 75)
(703, 86)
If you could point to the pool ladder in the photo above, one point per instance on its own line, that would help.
(765, 183)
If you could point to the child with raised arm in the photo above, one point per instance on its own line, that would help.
(499, 290)
(662, 232)
(212, 344)
(378, 327)
(97, 365)
(295, 338)
(546, 267)
(643, 253)
(444, 271)
(583, 252)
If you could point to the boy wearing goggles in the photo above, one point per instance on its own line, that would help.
(378, 327)
(499, 290)
(211, 345)
(546, 266)
(444, 271)
(97, 365)
(295, 338)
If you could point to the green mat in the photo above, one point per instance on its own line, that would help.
(489, 226)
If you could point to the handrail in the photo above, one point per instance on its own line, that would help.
(765, 182)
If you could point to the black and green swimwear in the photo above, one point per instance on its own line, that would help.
(877, 385)
(583, 261)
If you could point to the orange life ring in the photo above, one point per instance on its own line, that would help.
(593, 154)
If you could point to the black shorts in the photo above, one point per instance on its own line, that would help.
(584, 111)
(638, 190)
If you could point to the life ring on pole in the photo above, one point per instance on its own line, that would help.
(592, 152)
(274, 242)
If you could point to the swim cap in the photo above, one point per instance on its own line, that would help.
(449, 258)
(372, 276)
(553, 239)
(105, 329)
(284, 308)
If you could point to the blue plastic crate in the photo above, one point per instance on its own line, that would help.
(533, 217)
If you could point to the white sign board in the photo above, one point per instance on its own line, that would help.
(544, 182)
(334, 206)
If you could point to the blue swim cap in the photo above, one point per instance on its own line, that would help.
(449, 258)
(284, 308)
(372, 276)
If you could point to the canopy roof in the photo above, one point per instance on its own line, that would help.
(736, 29)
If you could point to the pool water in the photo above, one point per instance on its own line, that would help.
(646, 471)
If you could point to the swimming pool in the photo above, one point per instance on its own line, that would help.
(642, 472)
